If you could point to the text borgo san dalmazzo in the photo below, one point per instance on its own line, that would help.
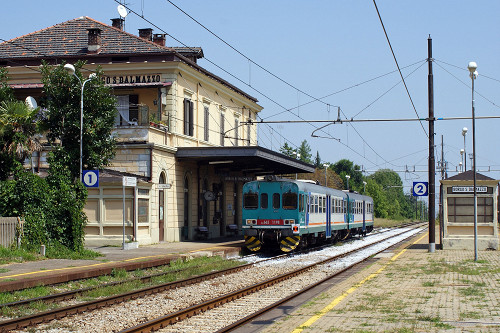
(130, 79)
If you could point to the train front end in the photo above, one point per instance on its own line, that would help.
(270, 215)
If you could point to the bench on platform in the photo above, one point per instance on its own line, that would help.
(232, 229)
(201, 232)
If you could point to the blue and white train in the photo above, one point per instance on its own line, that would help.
(290, 213)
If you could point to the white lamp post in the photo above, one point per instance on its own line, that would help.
(473, 75)
(347, 177)
(326, 165)
(462, 151)
(71, 70)
(297, 155)
(464, 132)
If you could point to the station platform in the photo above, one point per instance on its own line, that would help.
(407, 289)
(17, 276)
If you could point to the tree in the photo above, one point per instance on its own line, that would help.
(317, 161)
(375, 190)
(345, 167)
(18, 129)
(6, 93)
(399, 206)
(63, 92)
(305, 152)
(287, 150)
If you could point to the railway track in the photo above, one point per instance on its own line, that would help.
(35, 319)
(224, 313)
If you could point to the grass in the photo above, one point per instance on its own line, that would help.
(16, 255)
(13, 255)
(386, 223)
(177, 270)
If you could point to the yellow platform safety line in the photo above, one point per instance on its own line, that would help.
(73, 267)
(94, 265)
(337, 300)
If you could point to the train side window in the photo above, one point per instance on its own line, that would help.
(301, 202)
(276, 200)
(264, 202)
(250, 201)
(290, 201)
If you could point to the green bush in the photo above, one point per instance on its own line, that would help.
(52, 207)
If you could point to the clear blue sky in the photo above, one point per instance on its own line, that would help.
(322, 48)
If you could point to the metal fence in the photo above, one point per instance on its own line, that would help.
(11, 229)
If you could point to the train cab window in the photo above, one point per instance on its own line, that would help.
(251, 201)
(290, 201)
(276, 201)
(264, 201)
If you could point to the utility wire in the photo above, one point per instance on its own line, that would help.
(466, 70)
(397, 65)
(246, 57)
(465, 84)
(344, 89)
(267, 71)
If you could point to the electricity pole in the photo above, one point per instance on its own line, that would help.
(432, 165)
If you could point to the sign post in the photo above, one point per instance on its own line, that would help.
(130, 182)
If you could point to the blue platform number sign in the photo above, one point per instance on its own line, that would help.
(90, 178)
(420, 189)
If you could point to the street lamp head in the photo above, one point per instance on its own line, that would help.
(70, 69)
(472, 66)
(461, 151)
(347, 176)
(326, 165)
(93, 76)
(464, 131)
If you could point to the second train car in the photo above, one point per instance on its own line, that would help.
(289, 213)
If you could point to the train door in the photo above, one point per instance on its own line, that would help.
(308, 207)
(364, 217)
(328, 216)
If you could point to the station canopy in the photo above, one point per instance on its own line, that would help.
(250, 160)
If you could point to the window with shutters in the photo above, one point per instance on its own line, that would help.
(248, 134)
(206, 123)
(222, 120)
(236, 131)
(188, 117)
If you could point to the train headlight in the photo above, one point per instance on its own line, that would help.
(250, 222)
(288, 222)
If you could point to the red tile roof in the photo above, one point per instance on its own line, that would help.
(70, 39)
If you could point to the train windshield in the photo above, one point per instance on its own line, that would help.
(251, 201)
(290, 201)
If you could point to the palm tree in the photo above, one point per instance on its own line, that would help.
(18, 130)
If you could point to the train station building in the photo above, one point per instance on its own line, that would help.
(458, 212)
(179, 131)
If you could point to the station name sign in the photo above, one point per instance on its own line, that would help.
(469, 189)
(124, 79)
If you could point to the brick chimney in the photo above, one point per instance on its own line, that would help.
(159, 39)
(118, 23)
(94, 40)
(146, 34)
